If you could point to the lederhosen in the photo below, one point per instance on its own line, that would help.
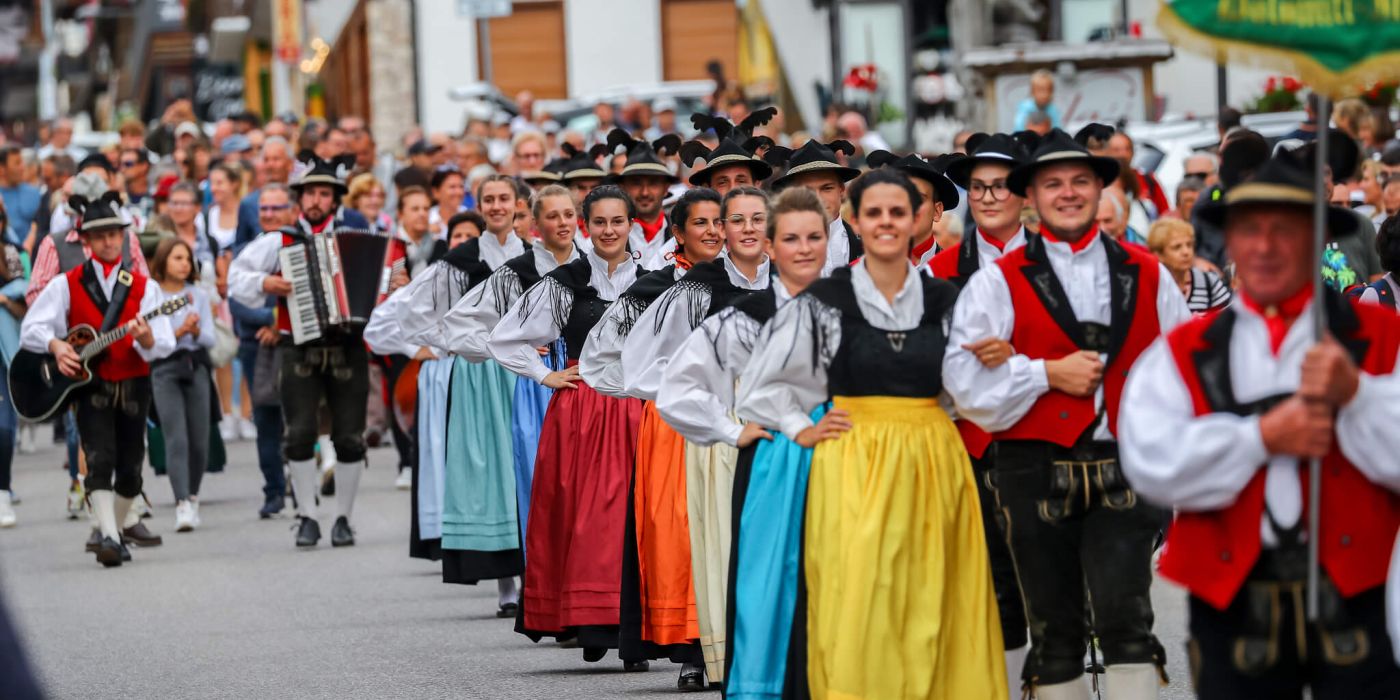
(1249, 634)
(333, 368)
(965, 261)
(111, 411)
(1080, 537)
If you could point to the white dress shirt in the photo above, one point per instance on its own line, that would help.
(47, 317)
(514, 341)
(475, 315)
(785, 380)
(1172, 456)
(997, 398)
(665, 325)
(838, 247)
(252, 265)
(698, 386)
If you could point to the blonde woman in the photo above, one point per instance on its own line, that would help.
(1173, 241)
(367, 196)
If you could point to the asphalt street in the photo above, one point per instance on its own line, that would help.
(233, 610)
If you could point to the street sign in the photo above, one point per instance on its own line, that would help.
(483, 9)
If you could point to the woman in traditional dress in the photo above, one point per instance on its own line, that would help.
(899, 595)
(684, 495)
(697, 399)
(474, 317)
(658, 615)
(587, 442)
(409, 324)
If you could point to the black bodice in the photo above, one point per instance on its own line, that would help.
(874, 362)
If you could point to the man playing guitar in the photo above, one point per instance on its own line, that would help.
(111, 411)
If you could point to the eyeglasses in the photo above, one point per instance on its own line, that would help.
(181, 204)
(128, 164)
(757, 220)
(274, 208)
(1201, 175)
(977, 190)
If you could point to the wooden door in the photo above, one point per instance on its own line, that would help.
(695, 32)
(527, 50)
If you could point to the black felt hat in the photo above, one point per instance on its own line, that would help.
(1002, 149)
(1284, 180)
(101, 213)
(736, 147)
(642, 157)
(917, 167)
(551, 174)
(814, 156)
(1057, 147)
(311, 170)
(583, 165)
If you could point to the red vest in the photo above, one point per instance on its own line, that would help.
(944, 266)
(119, 361)
(1211, 553)
(1056, 416)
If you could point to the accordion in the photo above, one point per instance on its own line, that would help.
(335, 282)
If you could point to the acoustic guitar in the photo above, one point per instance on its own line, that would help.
(37, 387)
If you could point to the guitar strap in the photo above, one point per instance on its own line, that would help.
(120, 291)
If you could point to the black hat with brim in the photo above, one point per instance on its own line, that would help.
(582, 165)
(916, 167)
(814, 156)
(99, 214)
(998, 149)
(1284, 180)
(727, 154)
(311, 170)
(1055, 149)
(95, 160)
(641, 156)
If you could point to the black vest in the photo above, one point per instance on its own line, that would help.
(586, 309)
(873, 362)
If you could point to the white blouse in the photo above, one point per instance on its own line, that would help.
(385, 333)
(654, 254)
(785, 379)
(697, 388)
(600, 362)
(532, 319)
(1172, 456)
(476, 314)
(665, 325)
(996, 398)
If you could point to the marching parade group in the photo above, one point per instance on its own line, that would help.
(764, 428)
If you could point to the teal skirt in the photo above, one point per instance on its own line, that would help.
(479, 510)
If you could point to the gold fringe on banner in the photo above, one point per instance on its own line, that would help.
(1319, 78)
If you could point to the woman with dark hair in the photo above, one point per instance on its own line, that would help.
(448, 187)
(708, 471)
(587, 443)
(899, 594)
(180, 382)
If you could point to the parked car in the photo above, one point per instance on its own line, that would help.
(1161, 148)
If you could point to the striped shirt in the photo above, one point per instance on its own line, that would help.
(1207, 291)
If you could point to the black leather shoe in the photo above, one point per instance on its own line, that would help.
(272, 506)
(594, 654)
(94, 541)
(341, 534)
(692, 678)
(636, 666)
(308, 532)
(141, 536)
(109, 553)
(507, 611)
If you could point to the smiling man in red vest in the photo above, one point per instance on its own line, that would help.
(111, 411)
(1226, 410)
(1078, 308)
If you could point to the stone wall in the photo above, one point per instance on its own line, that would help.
(393, 88)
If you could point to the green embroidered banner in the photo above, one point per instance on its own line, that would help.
(1338, 47)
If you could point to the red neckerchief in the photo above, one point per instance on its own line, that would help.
(583, 228)
(998, 244)
(107, 267)
(917, 252)
(681, 261)
(1279, 317)
(1076, 246)
(651, 229)
(321, 227)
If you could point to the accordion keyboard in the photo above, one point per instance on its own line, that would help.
(302, 302)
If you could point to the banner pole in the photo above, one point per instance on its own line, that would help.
(1320, 203)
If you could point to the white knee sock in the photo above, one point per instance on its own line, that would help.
(347, 482)
(1015, 660)
(125, 513)
(307, 485)
(1077, 689)
(506, 592)
(1131, 682)
(103, 511)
